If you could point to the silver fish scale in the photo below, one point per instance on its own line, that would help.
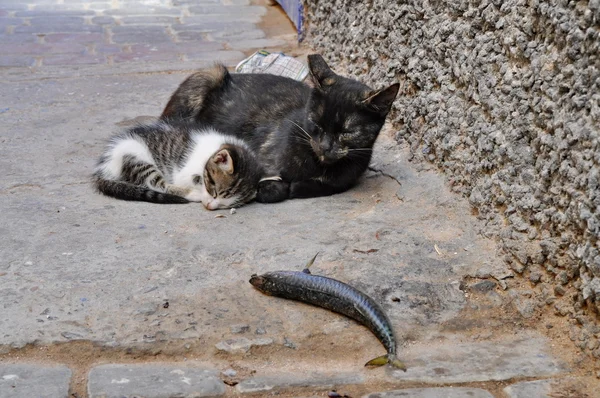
(335, 296)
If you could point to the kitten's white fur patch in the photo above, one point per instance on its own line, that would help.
(129, 146)
(206, 143)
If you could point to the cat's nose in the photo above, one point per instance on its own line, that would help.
(325, 144)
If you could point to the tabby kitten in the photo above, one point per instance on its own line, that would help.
(173, 163)
(318, 140)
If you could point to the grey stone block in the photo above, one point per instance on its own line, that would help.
(49, 11)
(441, 392)
(458, 362)
(153, 381)
(206, 19)
(227, 10)
(19, 381)
(139, 9)
(286, 381)
(212, 25)
(528, 389)
(226, 57)
(45, 28)
(255, 43)
(149, 20)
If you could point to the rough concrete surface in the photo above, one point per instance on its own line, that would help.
(88, 281)
(77, 265)
(504, 98)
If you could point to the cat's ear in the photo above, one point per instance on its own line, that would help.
(321, 72)
(381, 101)
(224, 161)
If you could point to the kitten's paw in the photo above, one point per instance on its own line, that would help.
(271, 191)
(197, 195)
(177, 190)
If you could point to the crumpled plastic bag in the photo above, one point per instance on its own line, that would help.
(274, 63)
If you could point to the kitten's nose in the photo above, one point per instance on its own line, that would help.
(213, 205)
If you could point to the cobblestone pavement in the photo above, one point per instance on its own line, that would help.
(45, 33)
(104, 298)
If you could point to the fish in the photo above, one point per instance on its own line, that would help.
(335, 296)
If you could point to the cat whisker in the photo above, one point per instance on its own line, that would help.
(300, 127)
(300, 137)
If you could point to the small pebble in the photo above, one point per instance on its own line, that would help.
(232, 211)
(238, 329)
(229, 373)
(288, 343)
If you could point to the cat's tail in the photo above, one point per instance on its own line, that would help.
(127, 191)
(187, 101)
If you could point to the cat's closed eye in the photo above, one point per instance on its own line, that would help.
(346, 137)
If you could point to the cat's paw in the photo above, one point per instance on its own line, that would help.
(271, 191)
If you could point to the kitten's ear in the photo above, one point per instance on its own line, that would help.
(381, 101)
(224, 161)
(321, 72)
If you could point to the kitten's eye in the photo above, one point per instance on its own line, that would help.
(209, 184)
(209, 180)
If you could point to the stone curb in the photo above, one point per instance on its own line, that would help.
(196, 380)
(152, 380)
(24, 380)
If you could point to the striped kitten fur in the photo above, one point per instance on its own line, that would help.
(175, 163)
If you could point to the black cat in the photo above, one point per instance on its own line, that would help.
(318, 140)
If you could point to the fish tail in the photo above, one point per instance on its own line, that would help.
(385, 359)
(398, 364)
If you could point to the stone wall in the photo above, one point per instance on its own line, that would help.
(504, 98)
